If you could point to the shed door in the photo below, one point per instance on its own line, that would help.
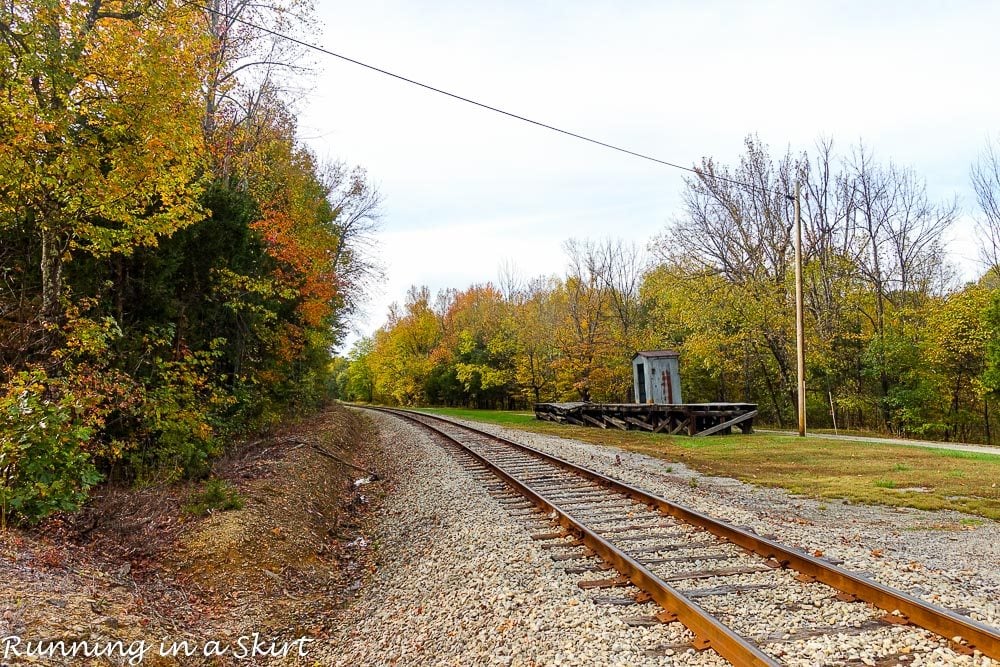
(640, 370)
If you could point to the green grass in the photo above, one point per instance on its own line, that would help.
(502, 417)
(961, 454)
(216, 496)
(862, 472)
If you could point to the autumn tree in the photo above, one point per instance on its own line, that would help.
(355, 203)
(186, 261)
(584, 334)
(900, 260)
(699, 316)
(359, 375)
(958, 334)
(991, 373)
(99, 151)
(873, 254)
(736, 227)
(620, 266)
(479, 342)
(247, 68)
(538, 315)
(401, 357)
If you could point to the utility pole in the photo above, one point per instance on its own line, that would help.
(799, 323)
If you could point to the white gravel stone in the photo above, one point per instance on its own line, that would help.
(460, 582)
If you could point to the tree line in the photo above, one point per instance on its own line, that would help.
(894, 342)
(175, 265)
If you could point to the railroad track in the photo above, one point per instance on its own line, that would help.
(699, 570)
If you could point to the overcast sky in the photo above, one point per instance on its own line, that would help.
(466, 190)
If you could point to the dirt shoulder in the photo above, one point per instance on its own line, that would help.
(135, 568)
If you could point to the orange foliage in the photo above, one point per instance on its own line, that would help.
(303, 266)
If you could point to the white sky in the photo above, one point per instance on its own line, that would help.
(466, 190)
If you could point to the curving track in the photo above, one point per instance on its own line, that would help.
(668, 552)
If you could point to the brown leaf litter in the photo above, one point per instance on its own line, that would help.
(133, 567)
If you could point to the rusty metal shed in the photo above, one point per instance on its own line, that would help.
(656, 377)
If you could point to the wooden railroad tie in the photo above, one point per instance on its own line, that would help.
(614, 582)
(665, 616)
(580, 555)
(550, 536)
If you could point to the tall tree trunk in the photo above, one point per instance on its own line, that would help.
(986, 419)
(119, 268)
(52, 250)
(772, 393)
(951, 430)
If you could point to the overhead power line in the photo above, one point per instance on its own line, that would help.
(483, 105)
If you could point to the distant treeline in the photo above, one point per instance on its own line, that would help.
(893, 343)
(174, 265)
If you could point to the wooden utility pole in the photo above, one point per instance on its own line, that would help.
(799, 323)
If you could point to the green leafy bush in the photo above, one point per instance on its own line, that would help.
(175, 423)
(45, 465)
(177, 413)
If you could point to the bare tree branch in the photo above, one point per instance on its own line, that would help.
(986, 182)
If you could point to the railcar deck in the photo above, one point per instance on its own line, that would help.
(695, 419)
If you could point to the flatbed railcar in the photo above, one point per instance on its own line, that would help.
(695, 419)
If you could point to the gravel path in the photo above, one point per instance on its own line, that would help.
(460, 582)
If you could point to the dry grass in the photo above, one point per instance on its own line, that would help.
(861, 472)
(291, 512)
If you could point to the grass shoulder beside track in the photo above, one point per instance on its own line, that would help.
(862, 472)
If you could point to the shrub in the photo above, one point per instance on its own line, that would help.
(176, 429)
(217, 495)
(44, 462)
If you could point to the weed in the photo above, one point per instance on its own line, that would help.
(972, 523)
(885, 484)
(670, 468)
(693, 482)
(822, 508)
(899, 467)
(956, 473)
(217, 495)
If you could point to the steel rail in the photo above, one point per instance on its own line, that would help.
(944, 622)
(705, 627)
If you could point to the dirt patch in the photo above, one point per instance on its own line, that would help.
(134, 567)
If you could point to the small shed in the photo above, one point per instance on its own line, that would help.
(656, 377)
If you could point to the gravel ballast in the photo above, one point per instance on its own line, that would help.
(460, 581)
